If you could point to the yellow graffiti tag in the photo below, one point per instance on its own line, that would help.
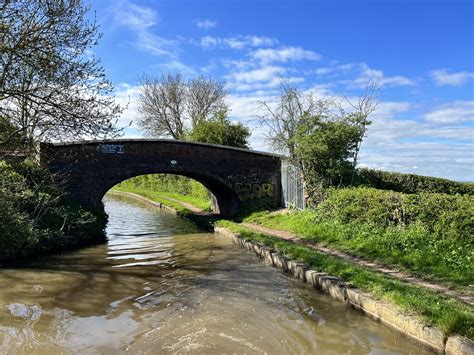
(253, 191)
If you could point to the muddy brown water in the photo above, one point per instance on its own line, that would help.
(162, 286)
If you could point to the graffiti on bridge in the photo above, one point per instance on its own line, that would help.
(254, 191)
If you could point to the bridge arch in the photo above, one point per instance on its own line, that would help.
(235, 177)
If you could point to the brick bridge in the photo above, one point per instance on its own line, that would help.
(235, 177)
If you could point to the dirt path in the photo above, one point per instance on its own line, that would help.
(401, 275)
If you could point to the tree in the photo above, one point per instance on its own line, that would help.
(220, 130)
(321, 138)
(325, 149)
(170, 105)
(51, 85)
(284, 118)
(365, 106)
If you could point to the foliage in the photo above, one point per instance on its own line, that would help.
(410, 183)
(324, 150)
(170, 104)
(8, 133)
(220, 130)
(320, 136)
(170, 199)
(35, 217)
(428, 234)
(434, 308)
(51, 86)
(167, 183)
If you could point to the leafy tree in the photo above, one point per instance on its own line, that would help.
(51, 85)
(325, 149)
(321, 137)
(170, 105)
(220, 130)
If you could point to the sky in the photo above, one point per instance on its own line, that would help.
(421, 52)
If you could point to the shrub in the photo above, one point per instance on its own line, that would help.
(35, 216)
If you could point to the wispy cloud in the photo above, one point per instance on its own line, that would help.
(455, 112)
(205, 24)
(135, 16)
(142, 20)
(284, 54)
(237, 42)
(442, 77)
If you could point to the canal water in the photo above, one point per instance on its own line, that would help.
(162, 286)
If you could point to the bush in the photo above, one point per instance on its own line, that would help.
(420, 231)
(446, 216)
(35, 216)
(410, 183)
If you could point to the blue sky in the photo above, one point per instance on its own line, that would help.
(420, 51)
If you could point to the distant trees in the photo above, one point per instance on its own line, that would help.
(171, 105)
(51, 85)
(321, 137)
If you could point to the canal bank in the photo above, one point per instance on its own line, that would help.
(408, 323)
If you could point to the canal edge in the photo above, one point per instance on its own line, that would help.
(335, 287)
(143, 199)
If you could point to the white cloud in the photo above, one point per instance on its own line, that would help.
(430, 158)
(134, 16)
(334, 69)
(390, 108)
(141, 20)
(176, 66)
(127, 95)
(208, 41)
(261, 74)
(156, 45)
(269, 55)
(238, 42)
(378, 76)
(396, 144)
(205, 24)
(441, 77)
(456, 112)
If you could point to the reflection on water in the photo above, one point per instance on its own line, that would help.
(160, 285)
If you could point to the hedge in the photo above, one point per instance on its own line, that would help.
(410, 183)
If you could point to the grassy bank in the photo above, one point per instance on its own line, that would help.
(174, 186)
(427, 234)
(449, 315)
(160, 197)
(35, 218)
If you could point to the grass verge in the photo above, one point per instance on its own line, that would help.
(451, 316)
(411, 248)
(158, 196)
